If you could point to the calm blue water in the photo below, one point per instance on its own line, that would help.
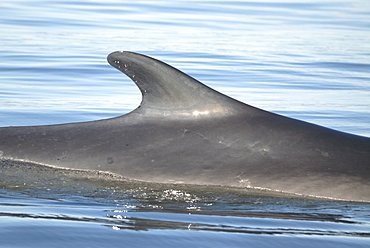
(307, 60)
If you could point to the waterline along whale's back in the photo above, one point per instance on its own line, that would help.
(185, 132)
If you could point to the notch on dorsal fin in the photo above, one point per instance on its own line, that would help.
(168, 90)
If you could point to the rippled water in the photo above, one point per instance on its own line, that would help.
(61, 208)
(305, 60)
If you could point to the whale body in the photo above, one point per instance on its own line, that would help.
(186, 132)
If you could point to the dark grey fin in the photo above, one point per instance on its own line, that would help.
(167, 90)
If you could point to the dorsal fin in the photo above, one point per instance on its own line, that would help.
(168, 90)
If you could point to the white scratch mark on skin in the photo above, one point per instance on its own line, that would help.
(227, 144)
(324, 154)
(191, 131)
(243, 182)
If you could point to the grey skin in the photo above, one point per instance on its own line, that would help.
(186, 132)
